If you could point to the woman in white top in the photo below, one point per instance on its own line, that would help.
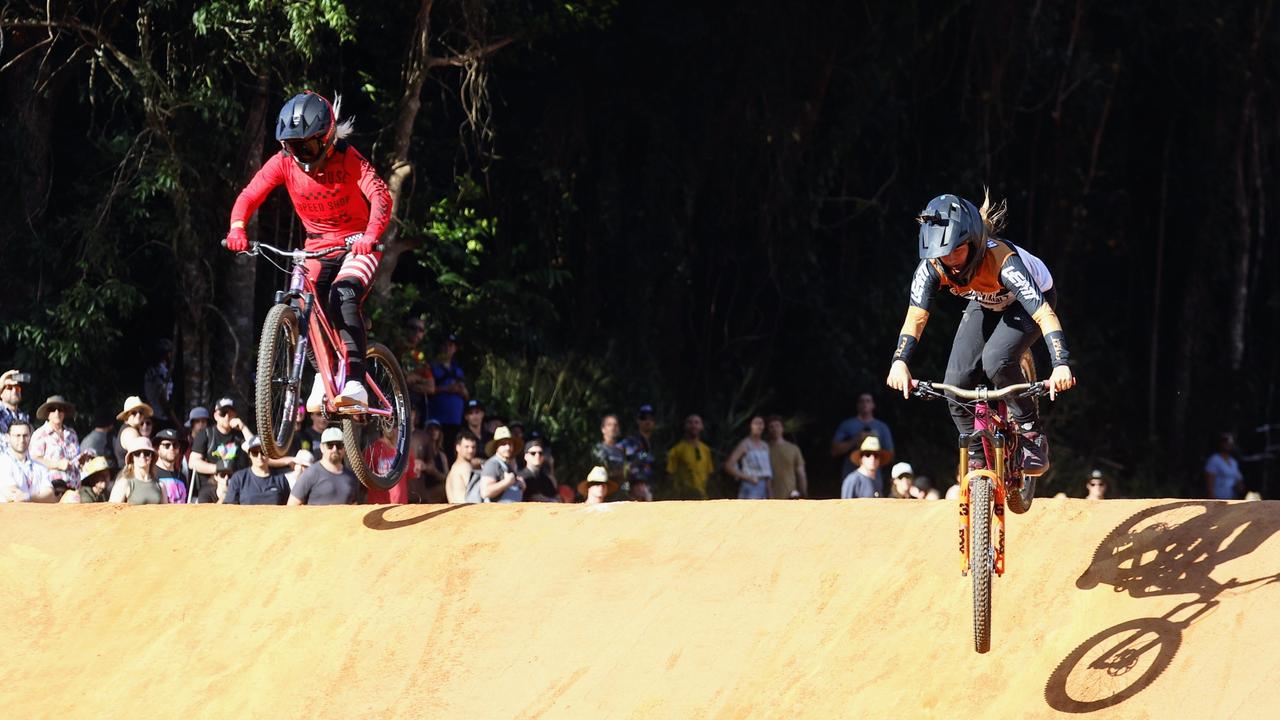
(749, 463)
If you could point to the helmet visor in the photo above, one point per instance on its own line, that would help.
(937, 236)
(308, 151)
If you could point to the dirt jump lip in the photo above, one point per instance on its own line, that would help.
(724, 609)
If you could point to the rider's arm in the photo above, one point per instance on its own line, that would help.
(270, 175)
(375, 191)
(1015, 276)
(924, 285)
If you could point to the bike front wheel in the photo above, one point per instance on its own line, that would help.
(980, 560)
(378, 445)
(276, 401)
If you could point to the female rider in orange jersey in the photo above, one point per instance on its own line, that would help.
(1011, 298)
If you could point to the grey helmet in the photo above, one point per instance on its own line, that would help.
(306, 129)
(948, 222)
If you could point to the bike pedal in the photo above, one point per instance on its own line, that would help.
(352, 409)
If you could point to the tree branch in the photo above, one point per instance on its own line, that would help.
(471, 55)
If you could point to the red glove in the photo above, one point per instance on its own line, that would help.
(236, 240)
(363, 246)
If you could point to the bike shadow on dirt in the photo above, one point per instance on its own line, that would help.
(1166, 550)
(405, 516)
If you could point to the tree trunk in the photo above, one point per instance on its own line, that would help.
(1153, 385)
(28, 110)
(415, 74)
(1240, 293)
(236, 357)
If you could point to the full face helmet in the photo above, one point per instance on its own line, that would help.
(306, 129)
(947, 223)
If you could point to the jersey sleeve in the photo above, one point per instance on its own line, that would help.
(268, 177)
(1015, 277)
(375, 191)
(924, 285)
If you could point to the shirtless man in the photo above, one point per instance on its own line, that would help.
(455, 483)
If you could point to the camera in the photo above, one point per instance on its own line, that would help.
(22, 378)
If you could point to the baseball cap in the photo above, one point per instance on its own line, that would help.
(197, 413)
(167, 434)
(251, 443)
(332, 434)
(473, 405)
(431, 422)
(304, 458)
(901, 469)
(645, 410)
(225, 403)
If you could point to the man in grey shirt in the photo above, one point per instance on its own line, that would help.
(498, 480)
(327, 482)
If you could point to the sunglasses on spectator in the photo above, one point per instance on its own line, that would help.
(166, 444)
(56, 410)
(143, 454)
(533, 452)
(332, 445)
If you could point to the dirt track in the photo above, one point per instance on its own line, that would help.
(727, 609)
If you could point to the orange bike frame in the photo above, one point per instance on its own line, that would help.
(996, 476)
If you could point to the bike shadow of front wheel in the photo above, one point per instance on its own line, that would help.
(1113, 665)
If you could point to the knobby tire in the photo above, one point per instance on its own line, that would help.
(980, 561)
(276, 394)
(359, 433)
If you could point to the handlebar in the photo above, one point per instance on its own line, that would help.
(924, 388)
(256, 248)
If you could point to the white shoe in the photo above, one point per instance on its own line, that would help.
(353, 393)
(315, 403)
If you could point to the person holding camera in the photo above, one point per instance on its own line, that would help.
(10, 396)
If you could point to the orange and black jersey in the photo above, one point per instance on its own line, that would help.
(1007, 274)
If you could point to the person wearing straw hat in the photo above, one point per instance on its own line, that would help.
(137, 483)
(55, 445)
(597, 486)
(498, 480)
(864, 481)
(134, 412)
(94, 477)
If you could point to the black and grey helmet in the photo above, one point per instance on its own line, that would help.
(306, 128)
(948, 222)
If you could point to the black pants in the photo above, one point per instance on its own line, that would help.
(987, 349)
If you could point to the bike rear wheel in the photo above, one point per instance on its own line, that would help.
(980, 560)
(276, 394)
(378, 446)
(1020, 495)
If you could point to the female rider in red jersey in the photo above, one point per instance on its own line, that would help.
(1011, 298)
(337, 195)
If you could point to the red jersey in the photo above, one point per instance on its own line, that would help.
(344, 198)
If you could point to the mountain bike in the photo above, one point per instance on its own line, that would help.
(984, 492)
(297, 328)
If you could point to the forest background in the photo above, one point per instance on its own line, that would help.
(707, 207)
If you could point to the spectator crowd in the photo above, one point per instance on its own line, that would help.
(458, 453)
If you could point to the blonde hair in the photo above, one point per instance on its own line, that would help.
(344, 127)
(993, 215)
